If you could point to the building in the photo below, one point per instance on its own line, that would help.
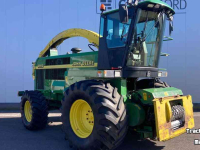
(27, 26)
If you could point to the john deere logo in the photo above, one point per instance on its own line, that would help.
(84, 63)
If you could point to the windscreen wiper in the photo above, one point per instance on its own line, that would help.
(144, 38)
(145, 26)
(123, 32)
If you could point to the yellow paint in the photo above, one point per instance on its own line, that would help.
(145, 96)
(92, 37)
(28, 111)
(163, 114)
(168, 111)
(166, 94)
(81, 118)
(33, 71)
(137, 106)
(64, 66)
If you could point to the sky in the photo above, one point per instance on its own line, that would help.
(26, 26)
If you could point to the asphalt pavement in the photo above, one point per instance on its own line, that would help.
(13, 136)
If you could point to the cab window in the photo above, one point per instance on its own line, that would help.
(117, 32)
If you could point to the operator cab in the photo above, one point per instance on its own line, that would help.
(134, 45)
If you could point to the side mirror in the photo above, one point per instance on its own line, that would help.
(123, 12)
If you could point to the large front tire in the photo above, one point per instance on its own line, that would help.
(106, 126)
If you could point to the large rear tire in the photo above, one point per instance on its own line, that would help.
(34, 110)
(107, 121)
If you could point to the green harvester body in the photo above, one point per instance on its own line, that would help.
(54, 74)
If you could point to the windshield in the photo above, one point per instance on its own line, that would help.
(147, 39)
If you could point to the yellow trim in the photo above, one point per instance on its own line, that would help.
(92, 37)
(81, 118)
(166, 94)
(33, 71)
(28, 111)
(145, 96)
(64, 66)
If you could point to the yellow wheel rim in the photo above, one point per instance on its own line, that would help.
(28, 111)
(81, 118)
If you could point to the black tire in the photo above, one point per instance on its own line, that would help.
(151, 83)
(39, 110)
(110, 119)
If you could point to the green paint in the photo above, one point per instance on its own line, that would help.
(57, 95)
(40, 61)
(145, 131)
(146, 2)
(72, 80)
(66, 55)
(47, 94)
(121, 86)
(123, 89)
(47, 84)
(147, 95)
(53, 89)
(136, 114)
(58, 83)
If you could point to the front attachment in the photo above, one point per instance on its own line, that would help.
(173, 115)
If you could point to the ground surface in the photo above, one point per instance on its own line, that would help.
(13, 136)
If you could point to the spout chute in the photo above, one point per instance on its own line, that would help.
(92, 37)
